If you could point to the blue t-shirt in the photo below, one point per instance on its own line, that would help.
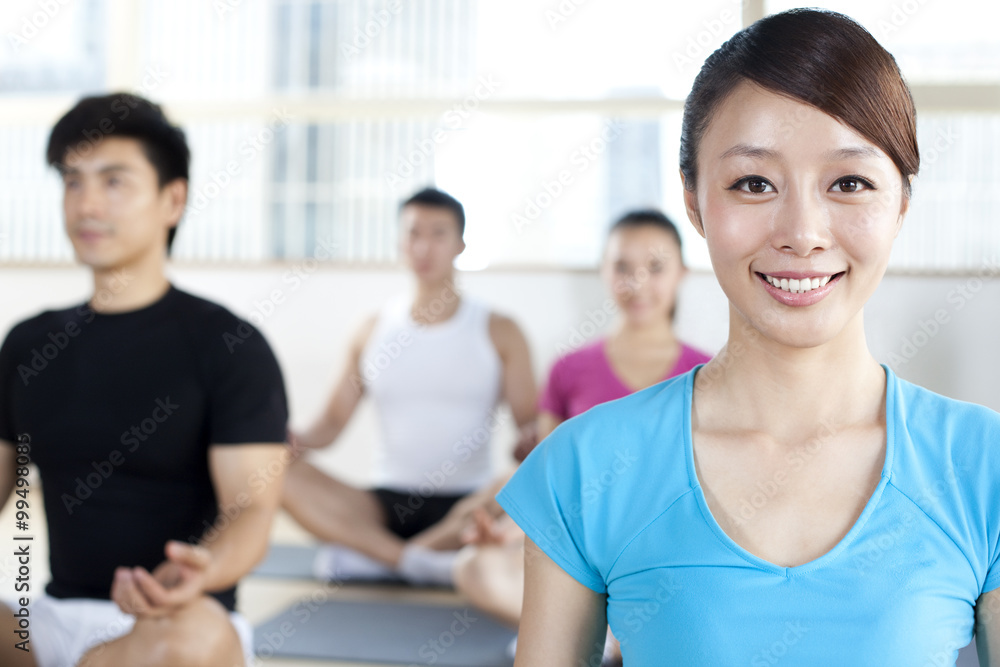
(613, 498)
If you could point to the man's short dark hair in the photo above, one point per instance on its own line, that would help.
(123, 115)
(438, 199)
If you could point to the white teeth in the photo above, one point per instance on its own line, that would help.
(797, 286)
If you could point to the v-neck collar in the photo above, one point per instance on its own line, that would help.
(832, 554)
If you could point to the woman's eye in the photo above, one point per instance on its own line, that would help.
(851, 184)
(754, 185)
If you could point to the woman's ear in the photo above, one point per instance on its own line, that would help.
(691, 206)
(904, 206)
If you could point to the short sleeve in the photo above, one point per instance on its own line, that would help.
(554, 397)
(991, 484)
(247, 394)
(544, 497)
(992, 575)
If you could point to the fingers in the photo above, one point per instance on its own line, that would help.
(469, 534)
(150, 588)
(127, 595)
(190, 555)
(164, 599)
(294, 446)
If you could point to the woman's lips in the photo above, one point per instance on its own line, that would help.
(781, 286)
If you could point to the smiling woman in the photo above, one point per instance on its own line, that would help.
(794, 499)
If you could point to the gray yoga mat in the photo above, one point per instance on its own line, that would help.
(386, 632)
(287, 561)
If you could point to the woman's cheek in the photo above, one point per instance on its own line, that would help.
(737, 229)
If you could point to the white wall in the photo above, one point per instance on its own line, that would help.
(321, 307)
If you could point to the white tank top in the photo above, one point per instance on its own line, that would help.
(435, 389)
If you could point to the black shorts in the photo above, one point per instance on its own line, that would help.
(407, 514)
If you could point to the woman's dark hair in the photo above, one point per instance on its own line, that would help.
(821, 58)
(648, 216)
(123, 115)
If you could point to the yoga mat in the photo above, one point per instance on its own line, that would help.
(386, 632)
(286, 561)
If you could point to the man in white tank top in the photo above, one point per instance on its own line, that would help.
(436, 365)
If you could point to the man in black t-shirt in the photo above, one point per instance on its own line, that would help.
(156, 419)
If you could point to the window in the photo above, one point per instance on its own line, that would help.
(310, 120)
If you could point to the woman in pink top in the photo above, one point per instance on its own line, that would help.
(643, 268)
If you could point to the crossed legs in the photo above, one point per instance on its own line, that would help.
(197, 635)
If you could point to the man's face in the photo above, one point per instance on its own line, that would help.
(430, 240)
(115, 211)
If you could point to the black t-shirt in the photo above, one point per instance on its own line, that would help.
(121, 410)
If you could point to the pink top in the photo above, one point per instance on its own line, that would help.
(582, 379)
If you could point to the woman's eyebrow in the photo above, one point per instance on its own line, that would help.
(853, 152)
(747, 150)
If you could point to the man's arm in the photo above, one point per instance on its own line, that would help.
(518, 388)
(248, 481)
(249, 478)
(344, 400)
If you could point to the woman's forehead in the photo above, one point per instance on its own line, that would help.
(756, 123)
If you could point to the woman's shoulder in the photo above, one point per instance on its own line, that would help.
(945, 441)
(581, 357)
(643, 418)
(946, 420)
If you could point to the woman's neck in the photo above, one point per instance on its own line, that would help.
(758, 384)
(644, 333)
